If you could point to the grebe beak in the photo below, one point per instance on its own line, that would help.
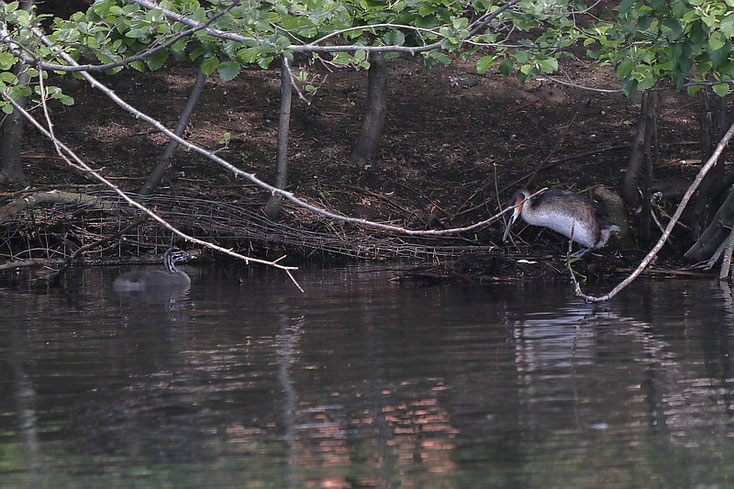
(514, 217)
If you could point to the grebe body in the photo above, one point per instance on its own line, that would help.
(169, 277)
(562, 211)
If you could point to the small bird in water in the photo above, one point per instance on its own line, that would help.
(171, 277)
(560, 210)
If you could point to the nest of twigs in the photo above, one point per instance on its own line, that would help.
(57, 225)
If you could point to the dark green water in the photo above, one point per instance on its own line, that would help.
(363, 383)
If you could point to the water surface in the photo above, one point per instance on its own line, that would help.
(243, 381)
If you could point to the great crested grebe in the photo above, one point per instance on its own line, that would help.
(559, 210)
(146, 279)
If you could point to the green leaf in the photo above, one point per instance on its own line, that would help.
(459, 22)
(526, 69)
(671, 29)
(196, 53)
(7, 61)
(727, 25)
(426, 9)
(154, 15)
(721, 56)
(138, 65)
(548, 65)
(484, 63)
(716, 40)
(7, 108)
(65, 99)
(8, 76)
(228, 70)
(156, 60)
(394, 38)
(721, 89)
(209, 65)
(624, 7)
(264, 62)
(140, 33)
(629, 86)
(441, 58)
(624, 68)
(692, 89)
(506, 67)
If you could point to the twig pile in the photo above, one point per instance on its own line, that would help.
(60, 230)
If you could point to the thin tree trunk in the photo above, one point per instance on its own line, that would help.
(641, 159)
(11, 166)
(715, 182)
(645, 222)
(272, 208)
(630, 187)
(368, 142)
(165, 161)
(703, 196)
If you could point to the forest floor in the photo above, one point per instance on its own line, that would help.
(454, 142)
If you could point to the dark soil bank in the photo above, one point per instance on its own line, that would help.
(456, 144)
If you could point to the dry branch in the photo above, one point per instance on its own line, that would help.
(32, 201)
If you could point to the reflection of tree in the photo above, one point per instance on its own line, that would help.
(287, 342)
(25, 396)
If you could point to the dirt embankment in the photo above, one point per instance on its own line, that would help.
(454, 142)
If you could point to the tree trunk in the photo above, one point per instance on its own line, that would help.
(645, 221)
(630, 187)
(715, 182)
(165, 161)
(272, 208)
(641, 158)
(368, 142)
(715, 233)
(11, 166)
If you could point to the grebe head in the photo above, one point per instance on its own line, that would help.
(173, 256)
(517, 200)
